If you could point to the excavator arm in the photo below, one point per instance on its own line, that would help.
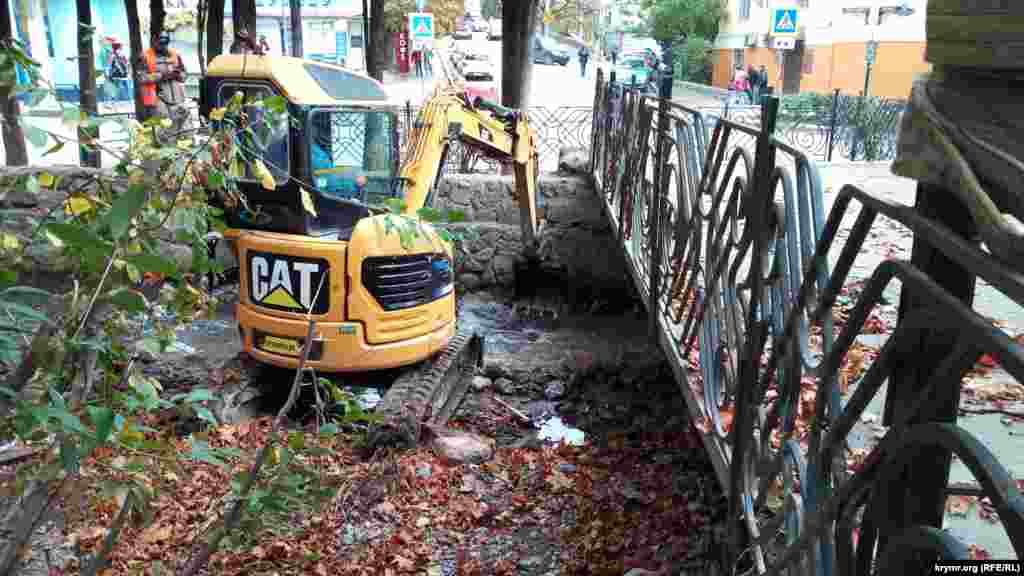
(488, 129)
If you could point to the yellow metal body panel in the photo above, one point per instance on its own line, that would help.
(288, 74)
(345, 348)
(355, 332)
(371, 239)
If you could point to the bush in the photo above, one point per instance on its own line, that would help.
(696, 63)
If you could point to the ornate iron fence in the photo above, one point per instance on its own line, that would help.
(557, 127)
(728, 244)
(854, 127)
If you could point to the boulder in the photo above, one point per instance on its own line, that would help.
(481, 383)
(461, 447)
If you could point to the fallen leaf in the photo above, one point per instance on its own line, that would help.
(403, 563)
(725, 414)
(156, 533)
(958, 505)
(557, 480)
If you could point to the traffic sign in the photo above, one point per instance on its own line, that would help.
(421, 25)
(784, 22)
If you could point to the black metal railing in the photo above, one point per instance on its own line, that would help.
(725, 236)
(828, 127)
(557, 127)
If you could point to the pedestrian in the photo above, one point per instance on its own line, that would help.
(753, 85)
(417, 59)
(615, 56)
(428, 65)
(161, 73)
(264, 45)
(762, 78)
(584, 56)
(117, 72)
(738, 87)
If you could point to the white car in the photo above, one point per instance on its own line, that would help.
(472, 69)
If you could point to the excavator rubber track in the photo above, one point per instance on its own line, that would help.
(427, 393)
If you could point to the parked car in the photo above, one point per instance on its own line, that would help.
(629, 65)
(495, 33)
(547, 51)
(478, 80)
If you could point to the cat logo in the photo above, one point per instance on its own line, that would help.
(288, 283)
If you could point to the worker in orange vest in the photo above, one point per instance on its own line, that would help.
(161, 74)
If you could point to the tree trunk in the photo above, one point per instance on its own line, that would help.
(157, 15)
(215, 30)
(517, 23)
(243, 17)
(14, 138)
(296, 21)
(89, 156)
(378, 47)
(131, 8)
(366, 39)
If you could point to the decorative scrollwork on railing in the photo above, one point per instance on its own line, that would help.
(556, 127)
(727, 228)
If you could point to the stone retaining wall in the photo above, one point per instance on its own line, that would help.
(576, 242)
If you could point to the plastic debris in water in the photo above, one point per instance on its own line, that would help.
(555, 430)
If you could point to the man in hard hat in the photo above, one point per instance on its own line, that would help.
(161, 74)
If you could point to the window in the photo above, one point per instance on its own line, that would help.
(342, 85)
(856, 15)
(352, 154)
(266, 142)
(807, 67)
(744, 9)
(737, 58)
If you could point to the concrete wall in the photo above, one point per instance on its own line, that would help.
(576, 242)
(841, 66)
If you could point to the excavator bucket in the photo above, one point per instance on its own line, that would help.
(524, 160)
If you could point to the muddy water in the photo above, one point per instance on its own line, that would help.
(514, 342)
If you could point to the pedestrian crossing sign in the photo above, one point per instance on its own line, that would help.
(784, 22)
(421, 26)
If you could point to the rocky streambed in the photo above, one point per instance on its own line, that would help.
(590, 465)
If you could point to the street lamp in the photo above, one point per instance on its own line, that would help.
(871, 49)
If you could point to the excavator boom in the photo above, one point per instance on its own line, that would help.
(485, 128)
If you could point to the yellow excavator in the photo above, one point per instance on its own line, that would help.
(315, 247)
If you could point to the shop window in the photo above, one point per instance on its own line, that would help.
(807, 66)
(744, 9)
(737, 58)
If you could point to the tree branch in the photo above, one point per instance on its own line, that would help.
(207, 549)
(99, 560)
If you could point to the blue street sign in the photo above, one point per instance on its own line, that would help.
(784, 21)
(421, 26)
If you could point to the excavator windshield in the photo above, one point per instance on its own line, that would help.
(353, 153)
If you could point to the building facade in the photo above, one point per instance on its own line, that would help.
(332, 31)
(834, 43)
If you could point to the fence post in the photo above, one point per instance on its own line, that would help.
(756, 213)
(832, 124)
(660, 154)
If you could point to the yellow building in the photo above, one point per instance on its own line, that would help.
(830, 48)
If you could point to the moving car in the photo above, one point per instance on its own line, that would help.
(547, 51)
